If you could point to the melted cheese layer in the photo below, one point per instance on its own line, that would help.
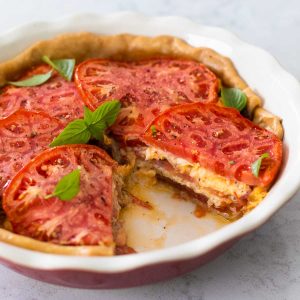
(202, 177)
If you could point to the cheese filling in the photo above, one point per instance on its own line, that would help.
(202, 177)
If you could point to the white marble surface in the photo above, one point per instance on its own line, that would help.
(265, 264)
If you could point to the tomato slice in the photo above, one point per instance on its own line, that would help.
(217, 138)
(22, 136)
(57, 97)
(84, 220)
(145, 88)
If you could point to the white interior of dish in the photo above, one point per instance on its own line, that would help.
(279, 89)
(170, 220)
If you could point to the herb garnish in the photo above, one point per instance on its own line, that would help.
(64, 67)
(103, 117)
(94, 125)
(233, 97)
(255, 167)
(68, 187)
(32, 81)
(153, 130)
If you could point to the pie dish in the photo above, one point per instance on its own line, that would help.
(131, 47)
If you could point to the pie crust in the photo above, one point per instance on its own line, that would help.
(14, 239)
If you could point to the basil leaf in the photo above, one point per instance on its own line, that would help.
(94, 124)
(255, 167)
(68, 187)
(153, 130)
(232, 97)
(32, 81)
(65, 67)
(98, 130)
(107, 112)
(88, 115)
(103, 117)
(75, 132)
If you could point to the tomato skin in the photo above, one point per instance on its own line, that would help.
(85, 220)
(22, 136)
(145, 88)
(219, 139)
(57, 97)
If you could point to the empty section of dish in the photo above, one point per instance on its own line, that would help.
(166, 219)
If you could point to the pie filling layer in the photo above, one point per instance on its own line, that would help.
(222, 195)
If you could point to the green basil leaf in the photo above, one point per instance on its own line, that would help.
(255, 167)
(75, 132)
(94, 124)
(232, 97)
(103, 117)
(32, 81)
(65, 67)
(68, 187)
(88, 115)
(98, 130)
(153, 130)
(107, 112)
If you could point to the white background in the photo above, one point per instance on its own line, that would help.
(265, 264)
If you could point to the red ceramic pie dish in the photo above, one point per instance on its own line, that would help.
(152, 266)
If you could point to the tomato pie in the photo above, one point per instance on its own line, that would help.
(72, 137)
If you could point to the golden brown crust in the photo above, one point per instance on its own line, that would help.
(31, 244)
(265, 119)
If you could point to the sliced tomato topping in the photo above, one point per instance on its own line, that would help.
(217, 138)
(57, 97)
(145, 88)
(22, 136)
(84, 220)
